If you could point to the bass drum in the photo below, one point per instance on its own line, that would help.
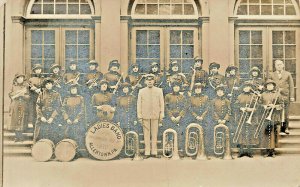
(42, 150)
(66, 150)
(104, 140)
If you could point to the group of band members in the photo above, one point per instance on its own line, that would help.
(64, 104)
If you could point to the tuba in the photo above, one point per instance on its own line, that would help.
(222, 141)
(194, 141)
(170, 144)
(132, 147)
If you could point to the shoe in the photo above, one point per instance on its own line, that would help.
(17, 140)
(146, 156)
(287, 131)
(250, 155)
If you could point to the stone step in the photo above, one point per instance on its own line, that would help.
(289, 141)
(13, 143)
(17, 151)
(11, 134)
(287, 150)
(294, 118)
(294, 125)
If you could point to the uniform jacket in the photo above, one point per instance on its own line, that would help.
(48, 104)
(102, 98)
(92, 76)
(112, 78)
(73, 107)
(150, 104)
(198, 105)
(201, 76)
(175, 105)
(221, 109)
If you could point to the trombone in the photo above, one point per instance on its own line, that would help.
(132, 147)
(194, 142)
(170, 144)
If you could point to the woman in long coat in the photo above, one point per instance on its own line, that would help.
(19, 106)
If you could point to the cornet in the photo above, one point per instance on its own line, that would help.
(132, 147)
(222, 141)
(170, 144)
(194, 142)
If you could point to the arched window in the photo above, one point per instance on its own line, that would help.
(267, 30)
(59, 8)
(164, 9)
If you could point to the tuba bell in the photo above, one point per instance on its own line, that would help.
(170, 144)
(194, 141)
(222, 141)
(132, 147)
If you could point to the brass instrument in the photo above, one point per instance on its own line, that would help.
(170, 144)
(267, 114)
(74, 80)
(193, 79)
(19, 93)
(194, 142)
(222, 141)
(138, 82)
(132, 147)
(231, 92)
(242, 121)
(249, 121)
(118, 83)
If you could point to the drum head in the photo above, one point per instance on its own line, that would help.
(104, 140)
(65, 151)
(42, 150)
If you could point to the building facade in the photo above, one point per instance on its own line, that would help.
(245, 33)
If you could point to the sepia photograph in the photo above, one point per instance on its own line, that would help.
(151, 93)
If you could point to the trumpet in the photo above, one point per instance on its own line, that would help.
(194, 141)
(132, 147)
(222, 141)
(170, 144)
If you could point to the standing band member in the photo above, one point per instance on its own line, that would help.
(285, 83)
(256, 80)
(113, 76)
(214, 79)
(19, 107)
(48, 113)
(92, 77)
(72, 75)
(232, 81)
(135, 78)
(57, 77)
(150, 111)
(159, 77)
(175, 75)
(198, 75)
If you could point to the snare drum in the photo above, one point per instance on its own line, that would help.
(66, 150)
(42, 150)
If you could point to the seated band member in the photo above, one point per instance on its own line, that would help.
(126, 114)
(73, 112)
(176, 111)
(113, 76)
(150, 111)
(271, 104)
(285, 82)
(245, 105)
(214, 79)
(19, 107)
(48, 114)
(103, 103)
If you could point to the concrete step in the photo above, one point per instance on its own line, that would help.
(11, 134)
(17, 151)
(289, 141)
(294, 118)
(287, 150)
(294, 125)
(13, 143)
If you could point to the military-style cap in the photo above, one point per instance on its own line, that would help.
(103, 81)
(73, 86)
(175, 83)
(247, 84)
(255, 68)
(17, 75)
(37, 66)
(220, 87)
(231, 67)
(47, 80)
(198, 85)
(55, 66)
(149, 77)
(114, 63)
(269, 81)
(198, 59)
(214, 64)
(93, 62)
(155, 64)
(72, 62)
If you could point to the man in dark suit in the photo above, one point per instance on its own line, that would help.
(285, 83)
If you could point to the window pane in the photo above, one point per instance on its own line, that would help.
(188, 9)
(256, 51)
(83, 51)
(36, 51)
(49, 51)
(290, 37)
(266, 1)
(154, 37)
(47, 64)
(244, 37)
(71, 37)
(187, 51)
(277, 37)
(36, 37)
(177, 9)
(152, 1)
(140, 9)
(277, 51)
(266, 10)
(61, 9)
(244, 66)
(164, 1)
(73, 1)
(60, 1)
(258, 63)
(48, 9)
(290, 65)
(164, 9)
(154, 51)
(176, 1)
(244, 51)
(254, 1)
(175, 51)
(290, 10)
(36, 9)
(256, 37)
(48, 1)
(82, 65)
(253, 9)
(242, 10)
(71, 51)
(152, 9)
(187, 37)
(49, 37)
(278, 1)
(35, 61)
(175, 37)
(186, 65)
(85, 9)
(141, 51)
(278, 10)
(73, 9)
(290, 51)
(141, 37)
(83, 37)
(288, 2)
